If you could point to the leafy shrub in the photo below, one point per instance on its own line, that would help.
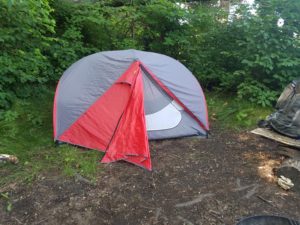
(251, 55)
(26, 29)
(248, 54)
(256, 93)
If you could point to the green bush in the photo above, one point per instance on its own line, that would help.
(251, 55)
(248, 55)
(25, 34)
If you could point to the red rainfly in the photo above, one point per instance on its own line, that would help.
(116, 122)
(130, 141)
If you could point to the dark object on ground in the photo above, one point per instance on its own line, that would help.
(291, 169)
(289, 152)
(268, 220)
(59, 143)
(286, 120)
(263, 124)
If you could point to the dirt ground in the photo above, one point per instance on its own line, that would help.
(213, 181)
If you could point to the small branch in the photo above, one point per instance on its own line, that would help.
(195, 201)
(187, 222)
(19, 222)
(265, 200)
(252, 191)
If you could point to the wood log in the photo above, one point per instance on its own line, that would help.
(270, 134)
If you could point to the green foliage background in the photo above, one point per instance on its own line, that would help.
(245, 54)
(244, 57)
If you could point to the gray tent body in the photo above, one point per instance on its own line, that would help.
(89, 78)
(286, 119)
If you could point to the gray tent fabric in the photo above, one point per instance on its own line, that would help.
(83, 83)
(154, 97)
(179, 80)
(89, 78)
(286, 119)
(155, 100)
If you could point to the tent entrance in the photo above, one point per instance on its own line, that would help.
(165, 118)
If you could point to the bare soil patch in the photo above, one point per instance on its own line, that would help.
(195, 181)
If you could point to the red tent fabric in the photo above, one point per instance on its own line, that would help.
(130, 141)
(120, 115)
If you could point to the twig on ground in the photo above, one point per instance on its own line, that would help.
(41, 221)
(195, 201)
(16, 219)
(80, 178)
(187, 222)
(147, 207)
(157, 214)
(265, 200)
(239, 187)
(252, 191)
(243, 187)
(175, 156)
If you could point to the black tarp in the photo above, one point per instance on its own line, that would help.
(286, 120)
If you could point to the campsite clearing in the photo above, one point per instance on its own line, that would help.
(195, 181)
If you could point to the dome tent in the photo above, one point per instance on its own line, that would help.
(115, 101)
